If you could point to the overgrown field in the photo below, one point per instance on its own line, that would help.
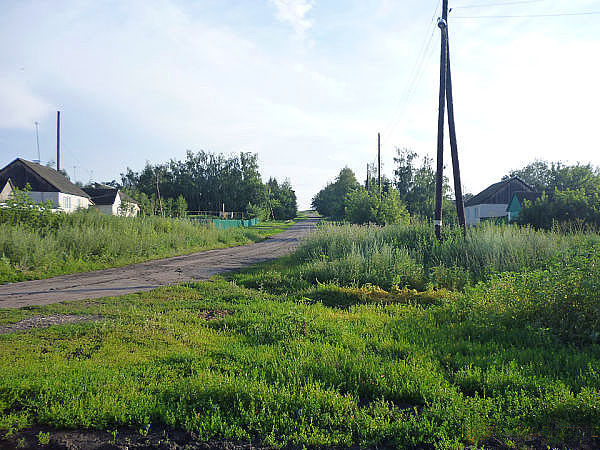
(498, 348)
(43, 244)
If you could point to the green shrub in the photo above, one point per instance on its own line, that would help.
(562, 299)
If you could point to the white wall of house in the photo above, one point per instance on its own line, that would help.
(126, 209)
(118, 208)
(64, 202)
(474, 214)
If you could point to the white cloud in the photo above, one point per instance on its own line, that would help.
(294, 12)
(20, 107)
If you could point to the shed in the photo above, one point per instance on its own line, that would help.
(516, 203)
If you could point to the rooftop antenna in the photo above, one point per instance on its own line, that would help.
(37, 141)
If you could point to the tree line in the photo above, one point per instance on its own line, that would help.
(570, 194)
(206, 181)
(409, 193)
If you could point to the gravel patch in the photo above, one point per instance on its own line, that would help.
(47, 321)
(215, 314)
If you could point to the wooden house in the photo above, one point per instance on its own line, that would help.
(110, 200)
(45, 184)
(492, 202)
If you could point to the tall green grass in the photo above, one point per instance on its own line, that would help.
(67, 243)
(410, 255)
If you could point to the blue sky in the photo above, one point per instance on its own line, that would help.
(306, 84)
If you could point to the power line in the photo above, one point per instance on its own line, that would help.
(586, 13)
(414, 73)
(485, 5)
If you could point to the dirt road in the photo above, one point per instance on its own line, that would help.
(151, 274)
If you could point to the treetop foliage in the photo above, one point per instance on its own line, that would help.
(207, 181)
(570, 194)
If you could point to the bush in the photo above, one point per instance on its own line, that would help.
(364, 206)
(566, 208)
(562, 299)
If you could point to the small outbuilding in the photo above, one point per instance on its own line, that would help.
(6, 191)
(517, 202)
(492, 202)
(112, 201)
(45, 183)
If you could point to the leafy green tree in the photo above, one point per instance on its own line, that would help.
(415, 184)
(568, 207)
(330, 201)
(557, 176)
(363, 206)
(205, 180)
(281, 200)
(180, 207)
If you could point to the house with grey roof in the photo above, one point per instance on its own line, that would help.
(45, 184)
(113, 201)
(493, 201)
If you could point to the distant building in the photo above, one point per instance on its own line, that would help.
(516, 204)
(45, 183)
(492, 202)
(110, 200)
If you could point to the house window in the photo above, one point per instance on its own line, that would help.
(66, 202)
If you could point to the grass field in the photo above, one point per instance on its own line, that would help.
(56, 244)
(508, 359)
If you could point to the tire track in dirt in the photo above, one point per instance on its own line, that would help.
(152, 274)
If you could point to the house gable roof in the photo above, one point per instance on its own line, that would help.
(102, 196)
(107, 195)
(531, 196)
(41, 178)
(499, 193)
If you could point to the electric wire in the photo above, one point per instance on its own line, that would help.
(585, 13)
(485, 5)
(415, 73)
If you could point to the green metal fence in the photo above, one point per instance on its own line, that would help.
(225, 224)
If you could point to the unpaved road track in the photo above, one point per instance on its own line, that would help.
(151, 274)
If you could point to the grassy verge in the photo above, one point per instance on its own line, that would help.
(508, 362)
(85, 241)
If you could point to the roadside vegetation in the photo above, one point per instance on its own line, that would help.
(38, 243)
(366, 335)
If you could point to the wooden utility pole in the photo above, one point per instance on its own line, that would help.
(162, 213)
(445, 99)
(439, 178)
(460, 206)
(367, 183)
(379, 162)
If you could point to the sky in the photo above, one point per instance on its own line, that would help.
(305, 84)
